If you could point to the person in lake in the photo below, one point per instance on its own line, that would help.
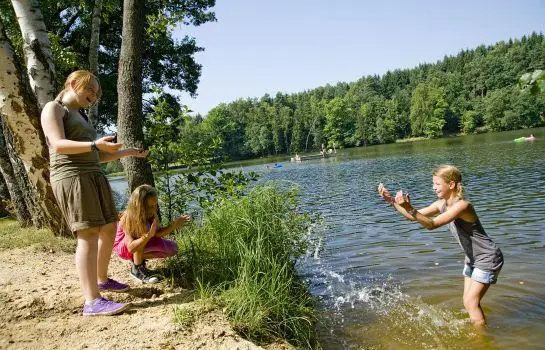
(483, 260)
(81, 189)
(139, 236)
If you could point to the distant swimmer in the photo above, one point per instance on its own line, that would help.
(523, 139)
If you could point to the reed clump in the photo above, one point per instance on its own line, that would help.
(243, 256)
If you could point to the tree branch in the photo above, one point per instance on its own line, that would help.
(62, 32)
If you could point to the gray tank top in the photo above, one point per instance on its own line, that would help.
(62, 166)
(480, 250)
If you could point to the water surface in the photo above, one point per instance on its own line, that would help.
(386, 283)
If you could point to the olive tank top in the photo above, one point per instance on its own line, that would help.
(62, 166)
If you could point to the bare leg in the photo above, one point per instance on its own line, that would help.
(105, 245)
(467, 283)
(472, 300)
(86, 262)
(138, 256)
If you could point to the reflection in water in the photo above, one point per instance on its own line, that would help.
(384, 283)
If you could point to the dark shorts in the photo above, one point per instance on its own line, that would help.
(85, 200)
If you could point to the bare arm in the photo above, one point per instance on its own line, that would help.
(456, 210)
(136, 244)
(53, 126)
(428, 211)
(127, 152)
(177, 223)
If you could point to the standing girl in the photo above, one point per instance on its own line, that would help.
(81, 190)
(483, 260)
(139, 236)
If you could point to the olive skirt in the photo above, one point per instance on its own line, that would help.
(85, 200)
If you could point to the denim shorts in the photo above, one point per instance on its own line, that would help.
(483, 276)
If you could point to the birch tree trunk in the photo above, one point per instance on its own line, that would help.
(129, 90)
(37, 49)
(23, 199)
(29, 156)
(4, 194)
(12, 185)
(93, 52)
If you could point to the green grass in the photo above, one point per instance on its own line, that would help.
(185, 315)
(12, 235)
(243, 256)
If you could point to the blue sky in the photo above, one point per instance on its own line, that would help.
(258, 47)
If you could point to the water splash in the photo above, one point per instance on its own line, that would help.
(392, 316)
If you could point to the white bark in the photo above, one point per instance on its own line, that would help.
(25, 129)
(21, 116)
(37, 48)
(15, 193)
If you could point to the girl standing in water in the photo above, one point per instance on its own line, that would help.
(483, 260)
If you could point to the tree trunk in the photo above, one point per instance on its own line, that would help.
(93, 53)
(24, 197)
(129, 90)
(15, 194)
(5, 198)
(25, 140)
(37, 49)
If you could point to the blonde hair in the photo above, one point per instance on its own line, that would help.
(83, 79)
(451, 173)
(134, 219)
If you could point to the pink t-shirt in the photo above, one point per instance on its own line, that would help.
(120, 246)
(156, 247)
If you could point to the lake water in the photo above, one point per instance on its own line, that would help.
(386, 283)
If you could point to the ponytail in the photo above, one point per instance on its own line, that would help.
(459, 190)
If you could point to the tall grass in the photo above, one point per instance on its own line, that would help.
(244, 254)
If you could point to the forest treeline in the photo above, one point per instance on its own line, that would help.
(474, 91)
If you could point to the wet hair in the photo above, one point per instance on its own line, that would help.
(83, 79)
(451, 173)
(134, 219)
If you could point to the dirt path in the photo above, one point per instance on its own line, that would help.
(41, 305)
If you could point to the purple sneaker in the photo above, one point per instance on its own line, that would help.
(112, 286)
(103, 307)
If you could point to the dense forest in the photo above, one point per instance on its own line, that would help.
(475, 91)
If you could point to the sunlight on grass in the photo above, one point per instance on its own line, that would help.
(12, 235)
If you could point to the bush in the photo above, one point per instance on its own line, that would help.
(245, 253)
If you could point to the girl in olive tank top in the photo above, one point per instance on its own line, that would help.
(81, 190)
